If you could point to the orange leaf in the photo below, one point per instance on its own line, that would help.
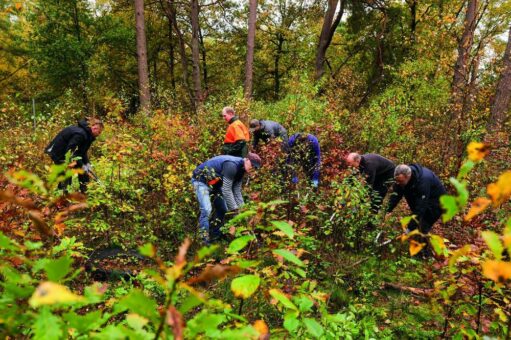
(415, 247)
(262, 328)
(497, 271)
(214, 272)
(501, 190)
(477, 151)
(18, 6)
(477, 207)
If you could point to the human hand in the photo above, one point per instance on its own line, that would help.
(295, 180)
(87, 167)
(315, 183)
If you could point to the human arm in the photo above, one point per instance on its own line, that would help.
(238, 197)
(317, 158)
(229, 170)
(77, 147)
(395, 197)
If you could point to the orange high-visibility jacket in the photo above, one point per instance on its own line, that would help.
(236, 131)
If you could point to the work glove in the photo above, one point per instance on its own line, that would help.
(295, 179)
(315, 183)
(87, 167)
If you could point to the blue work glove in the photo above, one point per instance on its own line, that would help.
(315, 183)
(295, 179)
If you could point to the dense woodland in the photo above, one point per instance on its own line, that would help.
(417, 81)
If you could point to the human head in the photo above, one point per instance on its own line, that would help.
(252, 161)
(402, 174)
(228, 113)
(353, 159)
(96, 126)
(254, 125)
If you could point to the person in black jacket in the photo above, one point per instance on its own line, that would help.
(265, 130)
(77, 139)
(422, 190)
(378, 172)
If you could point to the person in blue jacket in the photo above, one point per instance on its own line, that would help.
(422, 190)
(304, 151)
(219, 179)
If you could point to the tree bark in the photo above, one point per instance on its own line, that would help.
(276, 71)
(249, 66)
(171, 13)
(460, 80)
(196, 76)
(500, 104)
(171, 57)
(143, 73)
(327, 33)
(204, 64)
(83, 66)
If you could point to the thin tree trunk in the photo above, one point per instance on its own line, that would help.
(460, 78)
(327, 33)
(500, 105)
(83, 66)
(143, 73)
(171, 57)
(196, 76)
(249, 66)
(204, 62)
(276, 71)
(170, 11)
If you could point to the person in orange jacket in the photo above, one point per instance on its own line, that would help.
(237, 135)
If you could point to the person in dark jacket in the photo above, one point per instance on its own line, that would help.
(266, 130)
(220, 179)
(422, 190)
(76, 139)
(237, 135)
(304, 150)
(378, 172)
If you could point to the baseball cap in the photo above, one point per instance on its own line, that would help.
(254, 159)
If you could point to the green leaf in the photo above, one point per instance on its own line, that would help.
(239, 243)
(147, 250)
(285, 227)
(6, 243)
(33, 245)
(314, 328)
(137, 302)
(450, 206)
(244, 264)
(84, 323)
(289, 256)
(492, 239)
(291, 323)
(437, 242)
(461, 188)
(282, 298)
(242, 216)
(244, 286)
(304, 303)
(406, 220)
(47, 326)
(58, 269)
(465, 169)
(190, 302)
(206, 251)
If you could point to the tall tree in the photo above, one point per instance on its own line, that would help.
(143, 73)
(249, 65)
(500, 104)
(330, 23)
(196, 76)
(461, 77)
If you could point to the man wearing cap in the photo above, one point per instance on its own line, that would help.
(237, 135)
(304, 150)
(378, 172)
(220, 179)
(266, 130)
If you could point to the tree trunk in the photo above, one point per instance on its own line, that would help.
(460, 79)
(249, 66)
(171, 57)
(500, 105)
(196, 76)
(143, 73)
(276, 71)
(204, 63)
(171, 13)
(327, 33)
(83, 66)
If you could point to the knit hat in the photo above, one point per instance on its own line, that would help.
(254, 123)
(254, 159)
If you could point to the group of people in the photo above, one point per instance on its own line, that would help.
(218, 181)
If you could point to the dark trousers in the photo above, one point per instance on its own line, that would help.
(83, 179)
(427, 220)
(379, 192)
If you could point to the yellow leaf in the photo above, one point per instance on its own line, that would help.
(477, 151)
(405, 236)
(497, 271)
(49, 293)
(18, 6)
(262, 328)
(458, 253)
(501, 190)
(477, 207)
(415, 247)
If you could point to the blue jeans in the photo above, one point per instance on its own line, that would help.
(204, 193)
